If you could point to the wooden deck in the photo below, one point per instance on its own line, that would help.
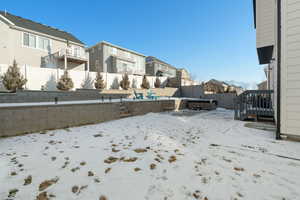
(254, 104)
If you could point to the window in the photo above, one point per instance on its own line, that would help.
(44, 43)
(33, 41)
(26, 39)
(29, 40)
(76, 51)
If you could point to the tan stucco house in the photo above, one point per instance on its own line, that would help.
(277, 39)
(38, 45)
(107, 57)
(157, 67)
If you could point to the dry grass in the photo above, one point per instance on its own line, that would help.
(42, 196)
(240, 169)
(140, 150)
(44, 185)
(172, 159)
(137, 169)
(102, 197)
(90, 173)
(133, 159)
(12, 193)
(107, 170)
(111, 159)
(28, 180)
(152, 166)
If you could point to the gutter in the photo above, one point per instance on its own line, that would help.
(278, 131)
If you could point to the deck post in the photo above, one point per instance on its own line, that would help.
(65, 58)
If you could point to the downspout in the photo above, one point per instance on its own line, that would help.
(278, 124)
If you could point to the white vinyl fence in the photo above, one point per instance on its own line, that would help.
(47, 78)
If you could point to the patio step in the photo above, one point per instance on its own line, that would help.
(124, 112)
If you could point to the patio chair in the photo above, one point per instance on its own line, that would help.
(151, 95)
(138, 95)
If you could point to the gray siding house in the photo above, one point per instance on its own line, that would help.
(278, 34)
(37, 45)
(110, 58)
(156, 67)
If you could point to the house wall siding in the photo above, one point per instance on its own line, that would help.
(113, 61)
(290, 68)
(14, 49)
(265, 22)
(5, 51)
(153, 67)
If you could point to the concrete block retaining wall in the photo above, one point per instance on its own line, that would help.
(26, 119)
(192, 91)
(225, 100)
(48, 96)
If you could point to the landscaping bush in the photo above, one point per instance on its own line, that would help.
(157, 83)
(145, 84)
(65, 83)
(125, 83)
(99, 82)
(13, 79)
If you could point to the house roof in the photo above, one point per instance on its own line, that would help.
(38, 27)
(116, 46)
(152, 58)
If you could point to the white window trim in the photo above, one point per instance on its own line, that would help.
(36, 42)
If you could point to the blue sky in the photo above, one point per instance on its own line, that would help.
(212, 39)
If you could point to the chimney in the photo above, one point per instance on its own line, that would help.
(5, 12)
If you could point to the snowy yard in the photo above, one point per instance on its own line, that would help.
(184, 155)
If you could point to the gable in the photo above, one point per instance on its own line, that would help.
(37, 27)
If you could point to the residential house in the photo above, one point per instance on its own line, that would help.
(277, 39)
(263, 85)
(183, 74)
(107, 57)
(156, 67)
(38, 45)
(214, 86)
(182, 78)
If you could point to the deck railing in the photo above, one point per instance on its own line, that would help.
(254, 103)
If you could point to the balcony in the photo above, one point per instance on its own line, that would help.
(72, 55)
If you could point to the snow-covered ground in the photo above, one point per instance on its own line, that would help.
(183, 155)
